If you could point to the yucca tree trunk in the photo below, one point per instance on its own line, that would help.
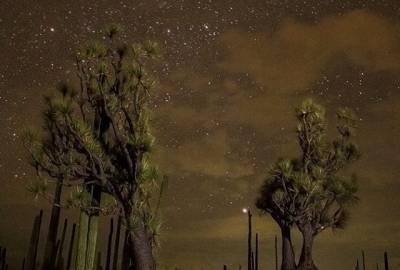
(140, 245)
(288, 257)
(141, 250)
(49, 252)
(306, 261)
(126, 260)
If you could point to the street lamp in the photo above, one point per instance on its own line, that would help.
(249, 237)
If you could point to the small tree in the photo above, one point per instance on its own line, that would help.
(51, 152)
(103, 130)
(308, 191)
(274, 200)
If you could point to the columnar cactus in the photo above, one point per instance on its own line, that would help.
(116, 244)
(34, 242)
(386, 261)
(71, 247)
(109, 245)
(50, 253)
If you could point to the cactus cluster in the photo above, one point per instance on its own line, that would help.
(68, 252)
(364, 267)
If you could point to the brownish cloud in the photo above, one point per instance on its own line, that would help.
(285, 65)
(292, 58)
(211, 155)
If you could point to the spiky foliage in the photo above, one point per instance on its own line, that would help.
(310, 187)
(309, 191)
(325, 194)
(276, 193)
(100, 134)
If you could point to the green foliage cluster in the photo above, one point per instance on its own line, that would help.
(99, 132)
(310, 189)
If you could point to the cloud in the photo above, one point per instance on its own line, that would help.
(279, 69)
(212, 155)
(378, 142)
(292, 58)
(284, 64)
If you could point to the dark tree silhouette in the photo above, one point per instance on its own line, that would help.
(272, 200)
(308, 191)
(102, 130)
(323, 194)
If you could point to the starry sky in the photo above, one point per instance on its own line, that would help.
(230, 76)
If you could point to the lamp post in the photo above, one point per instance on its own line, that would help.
(256, 255)
(249, 237)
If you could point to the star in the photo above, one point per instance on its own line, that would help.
(229, 76)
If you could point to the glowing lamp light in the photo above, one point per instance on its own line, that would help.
(245, 210)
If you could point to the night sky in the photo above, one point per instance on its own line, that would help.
(231, 74)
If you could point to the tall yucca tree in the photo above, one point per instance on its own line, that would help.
(324, 194)
(309, 191)
(103, 127)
